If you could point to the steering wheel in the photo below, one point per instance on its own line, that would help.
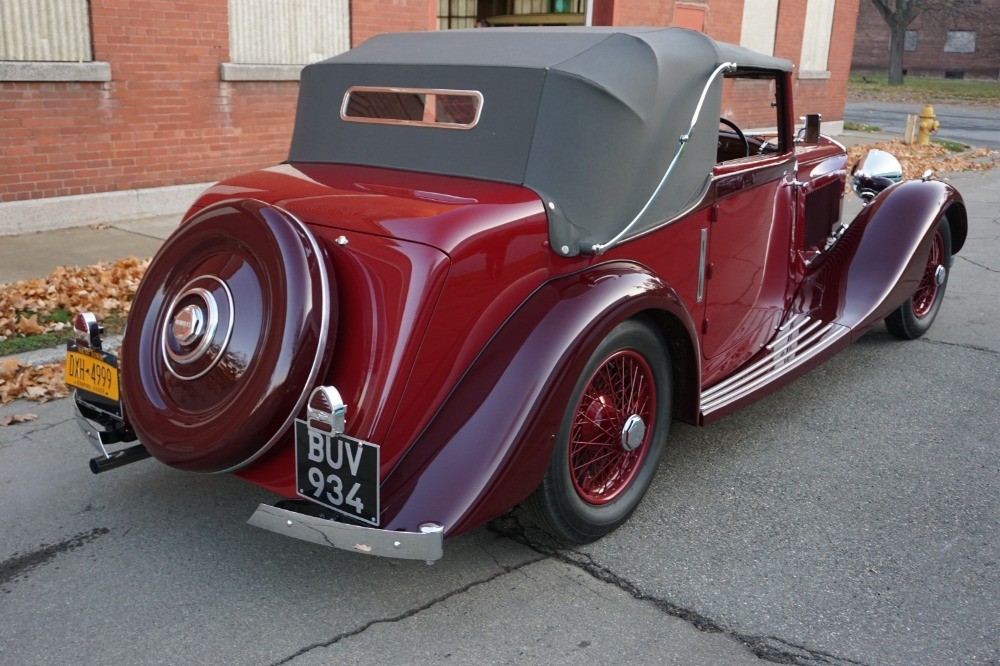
(743, 137)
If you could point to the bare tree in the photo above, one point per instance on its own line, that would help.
(899, 14)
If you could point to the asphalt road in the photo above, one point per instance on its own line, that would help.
(851, 518)
(973, 125)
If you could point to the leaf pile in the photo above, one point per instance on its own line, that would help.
(38, 383)
(916, 159)
(102, 289)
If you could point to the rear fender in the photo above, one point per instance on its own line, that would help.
(879, 261)
(490, 443)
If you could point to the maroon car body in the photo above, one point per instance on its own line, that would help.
(471, 345)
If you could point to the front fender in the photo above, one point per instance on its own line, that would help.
(879, 261)
(489, 445)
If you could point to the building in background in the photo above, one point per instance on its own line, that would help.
(127, 108)
(962, 43)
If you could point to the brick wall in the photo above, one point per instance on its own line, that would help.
(638, 12)
(165, 118)
(871, 48)
(371, 17)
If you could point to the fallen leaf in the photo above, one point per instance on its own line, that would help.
(17, 418)
(916, 159)
(29, 325)
(9, 366)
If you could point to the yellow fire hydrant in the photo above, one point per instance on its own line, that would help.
(928, 124)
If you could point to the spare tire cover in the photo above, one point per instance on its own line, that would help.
(231, 326)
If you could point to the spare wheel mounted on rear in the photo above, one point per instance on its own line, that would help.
(230, 329)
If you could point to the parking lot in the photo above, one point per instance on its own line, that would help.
(851, 518)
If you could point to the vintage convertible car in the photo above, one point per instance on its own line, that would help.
(493, 269)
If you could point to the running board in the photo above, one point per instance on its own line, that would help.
(798, 345)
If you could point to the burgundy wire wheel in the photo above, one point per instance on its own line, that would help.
(925, 295)
(602, 459)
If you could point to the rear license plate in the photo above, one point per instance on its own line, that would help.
(94, 372)
(337, 471)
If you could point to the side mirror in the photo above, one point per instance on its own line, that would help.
(873, 173)
(812, 128)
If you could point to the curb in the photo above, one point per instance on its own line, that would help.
(55, 354)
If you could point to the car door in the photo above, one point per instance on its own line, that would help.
(749, 234)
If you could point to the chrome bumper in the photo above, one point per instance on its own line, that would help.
(426, 545)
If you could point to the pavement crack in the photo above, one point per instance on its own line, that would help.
(962, 345)
(505, 570)
(21, 564)
(976, 263)
(47, 427)
(767, 648)
(136, 233)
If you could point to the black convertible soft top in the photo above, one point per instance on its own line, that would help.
(588, 118)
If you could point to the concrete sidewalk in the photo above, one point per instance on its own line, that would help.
(38, 254)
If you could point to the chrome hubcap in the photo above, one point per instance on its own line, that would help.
(633, 432)
(197, 328)
(940, 273)
(188, 324)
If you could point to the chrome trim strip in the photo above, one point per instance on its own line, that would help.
(784, 354)
(702, 256)
(792, 319)
(412, 123)
(324, 335)
(818, 342)
(826, 339)
(717, 388)
(425, 545)
(807, 326)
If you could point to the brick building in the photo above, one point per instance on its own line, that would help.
(128, 107)
(964, 43)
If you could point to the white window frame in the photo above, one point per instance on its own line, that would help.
(953, 46)
(48, 41)
(816, 35)
(272, 40)
(760, 22)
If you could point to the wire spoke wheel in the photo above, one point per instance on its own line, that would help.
(926, 293)
(914, 317)
(619, 395)
(613, 432)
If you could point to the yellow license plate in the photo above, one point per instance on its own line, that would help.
(92, 374)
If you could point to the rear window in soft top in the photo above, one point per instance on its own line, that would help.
(425, 107)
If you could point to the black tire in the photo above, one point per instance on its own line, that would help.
(573, 506)
(914, 317)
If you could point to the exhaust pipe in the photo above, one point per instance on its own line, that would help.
(118, 458)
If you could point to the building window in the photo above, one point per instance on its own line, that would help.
(47, 40)
(454, 14)
(960, 41)
(273, 39)
(760, 17)
(910, 40)
(816, 37)
(53, 31)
